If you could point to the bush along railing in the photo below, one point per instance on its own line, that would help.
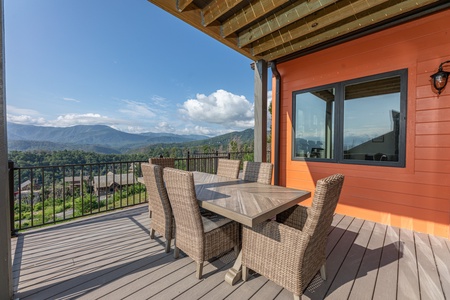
(46, 195)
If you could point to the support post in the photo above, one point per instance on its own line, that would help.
(260, 139)
(6, 287)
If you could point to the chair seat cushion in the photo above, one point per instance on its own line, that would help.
(212, 221)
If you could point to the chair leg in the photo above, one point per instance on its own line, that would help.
(152, 233)
(323, 272)
(296, 297)
(199, 270)
(236, 251)
(176, 252)
(168, 246)
(244, 273)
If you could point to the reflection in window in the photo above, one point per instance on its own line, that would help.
(314, 124)
(360, 121)
(371, 120)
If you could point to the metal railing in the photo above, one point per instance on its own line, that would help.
(44, 195)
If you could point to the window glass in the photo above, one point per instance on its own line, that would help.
(359, 121)
(371, 120)
(314, 113)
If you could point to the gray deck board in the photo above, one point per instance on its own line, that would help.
(442, 257)
(408, 279)
(111, 256)
(364, 284)
(386, 284)
(430, 284)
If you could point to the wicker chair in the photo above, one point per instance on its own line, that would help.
(200, 237)
(163, 161)
(291, 250)
(162, 218)
(228, 168)
(257, 171)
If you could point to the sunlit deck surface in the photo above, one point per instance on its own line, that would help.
(112, 257)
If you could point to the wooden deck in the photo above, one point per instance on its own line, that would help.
(112, 257)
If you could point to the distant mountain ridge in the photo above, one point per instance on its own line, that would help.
(100, 137)
(103, 139)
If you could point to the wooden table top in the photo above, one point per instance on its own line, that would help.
(246, 202)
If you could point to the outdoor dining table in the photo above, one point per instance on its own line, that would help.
(246, 202)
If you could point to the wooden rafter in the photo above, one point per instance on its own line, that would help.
(183, 4)
(311, 24)
(344, 29)
(275, 29)
(216, 9)
(281, 19)
(254, 11)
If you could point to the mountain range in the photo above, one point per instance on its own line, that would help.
(100, 138)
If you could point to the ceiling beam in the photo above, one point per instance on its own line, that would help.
(182, 4)
(252, 12)
(216, 9)
(281, 19)
(349, 27)
(311, 24)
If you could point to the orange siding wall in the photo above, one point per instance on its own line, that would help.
(415, 197)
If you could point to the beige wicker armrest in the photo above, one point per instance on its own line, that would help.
(294, 217)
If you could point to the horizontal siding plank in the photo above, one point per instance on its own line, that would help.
(433, 115)
(433, 140)
(436, 128)
(440, 154)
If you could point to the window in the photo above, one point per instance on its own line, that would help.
(359, 121)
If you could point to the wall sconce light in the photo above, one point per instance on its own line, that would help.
(440, 78)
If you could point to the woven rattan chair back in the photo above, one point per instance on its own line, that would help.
(300, 233)
(326, 196)
(165, 162)
(228, 168)
(162, 218)
(257, 171)
(200, 237)
(181, 190)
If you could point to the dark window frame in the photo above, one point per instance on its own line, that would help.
(338, 135)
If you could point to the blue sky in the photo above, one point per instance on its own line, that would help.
(123, 63)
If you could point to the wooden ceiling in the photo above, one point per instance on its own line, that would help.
(276, 30)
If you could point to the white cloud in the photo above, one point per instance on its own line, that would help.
(221, 107)
(21, 111)
(66, 120)
(137, 109)
(71, 99)
(25, 120)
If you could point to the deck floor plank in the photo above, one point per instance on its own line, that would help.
(337, 256)
(364, 284)
(442, 257)
(408, 279)
(342, 284)
(111, 256)
(386, 284)
(430, 285)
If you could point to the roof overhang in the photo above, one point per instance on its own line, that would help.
(279, 30)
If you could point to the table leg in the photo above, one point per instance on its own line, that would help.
(235, 273)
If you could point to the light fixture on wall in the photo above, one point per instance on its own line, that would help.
(440, 78)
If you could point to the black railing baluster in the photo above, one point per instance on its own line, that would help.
(23, 206)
